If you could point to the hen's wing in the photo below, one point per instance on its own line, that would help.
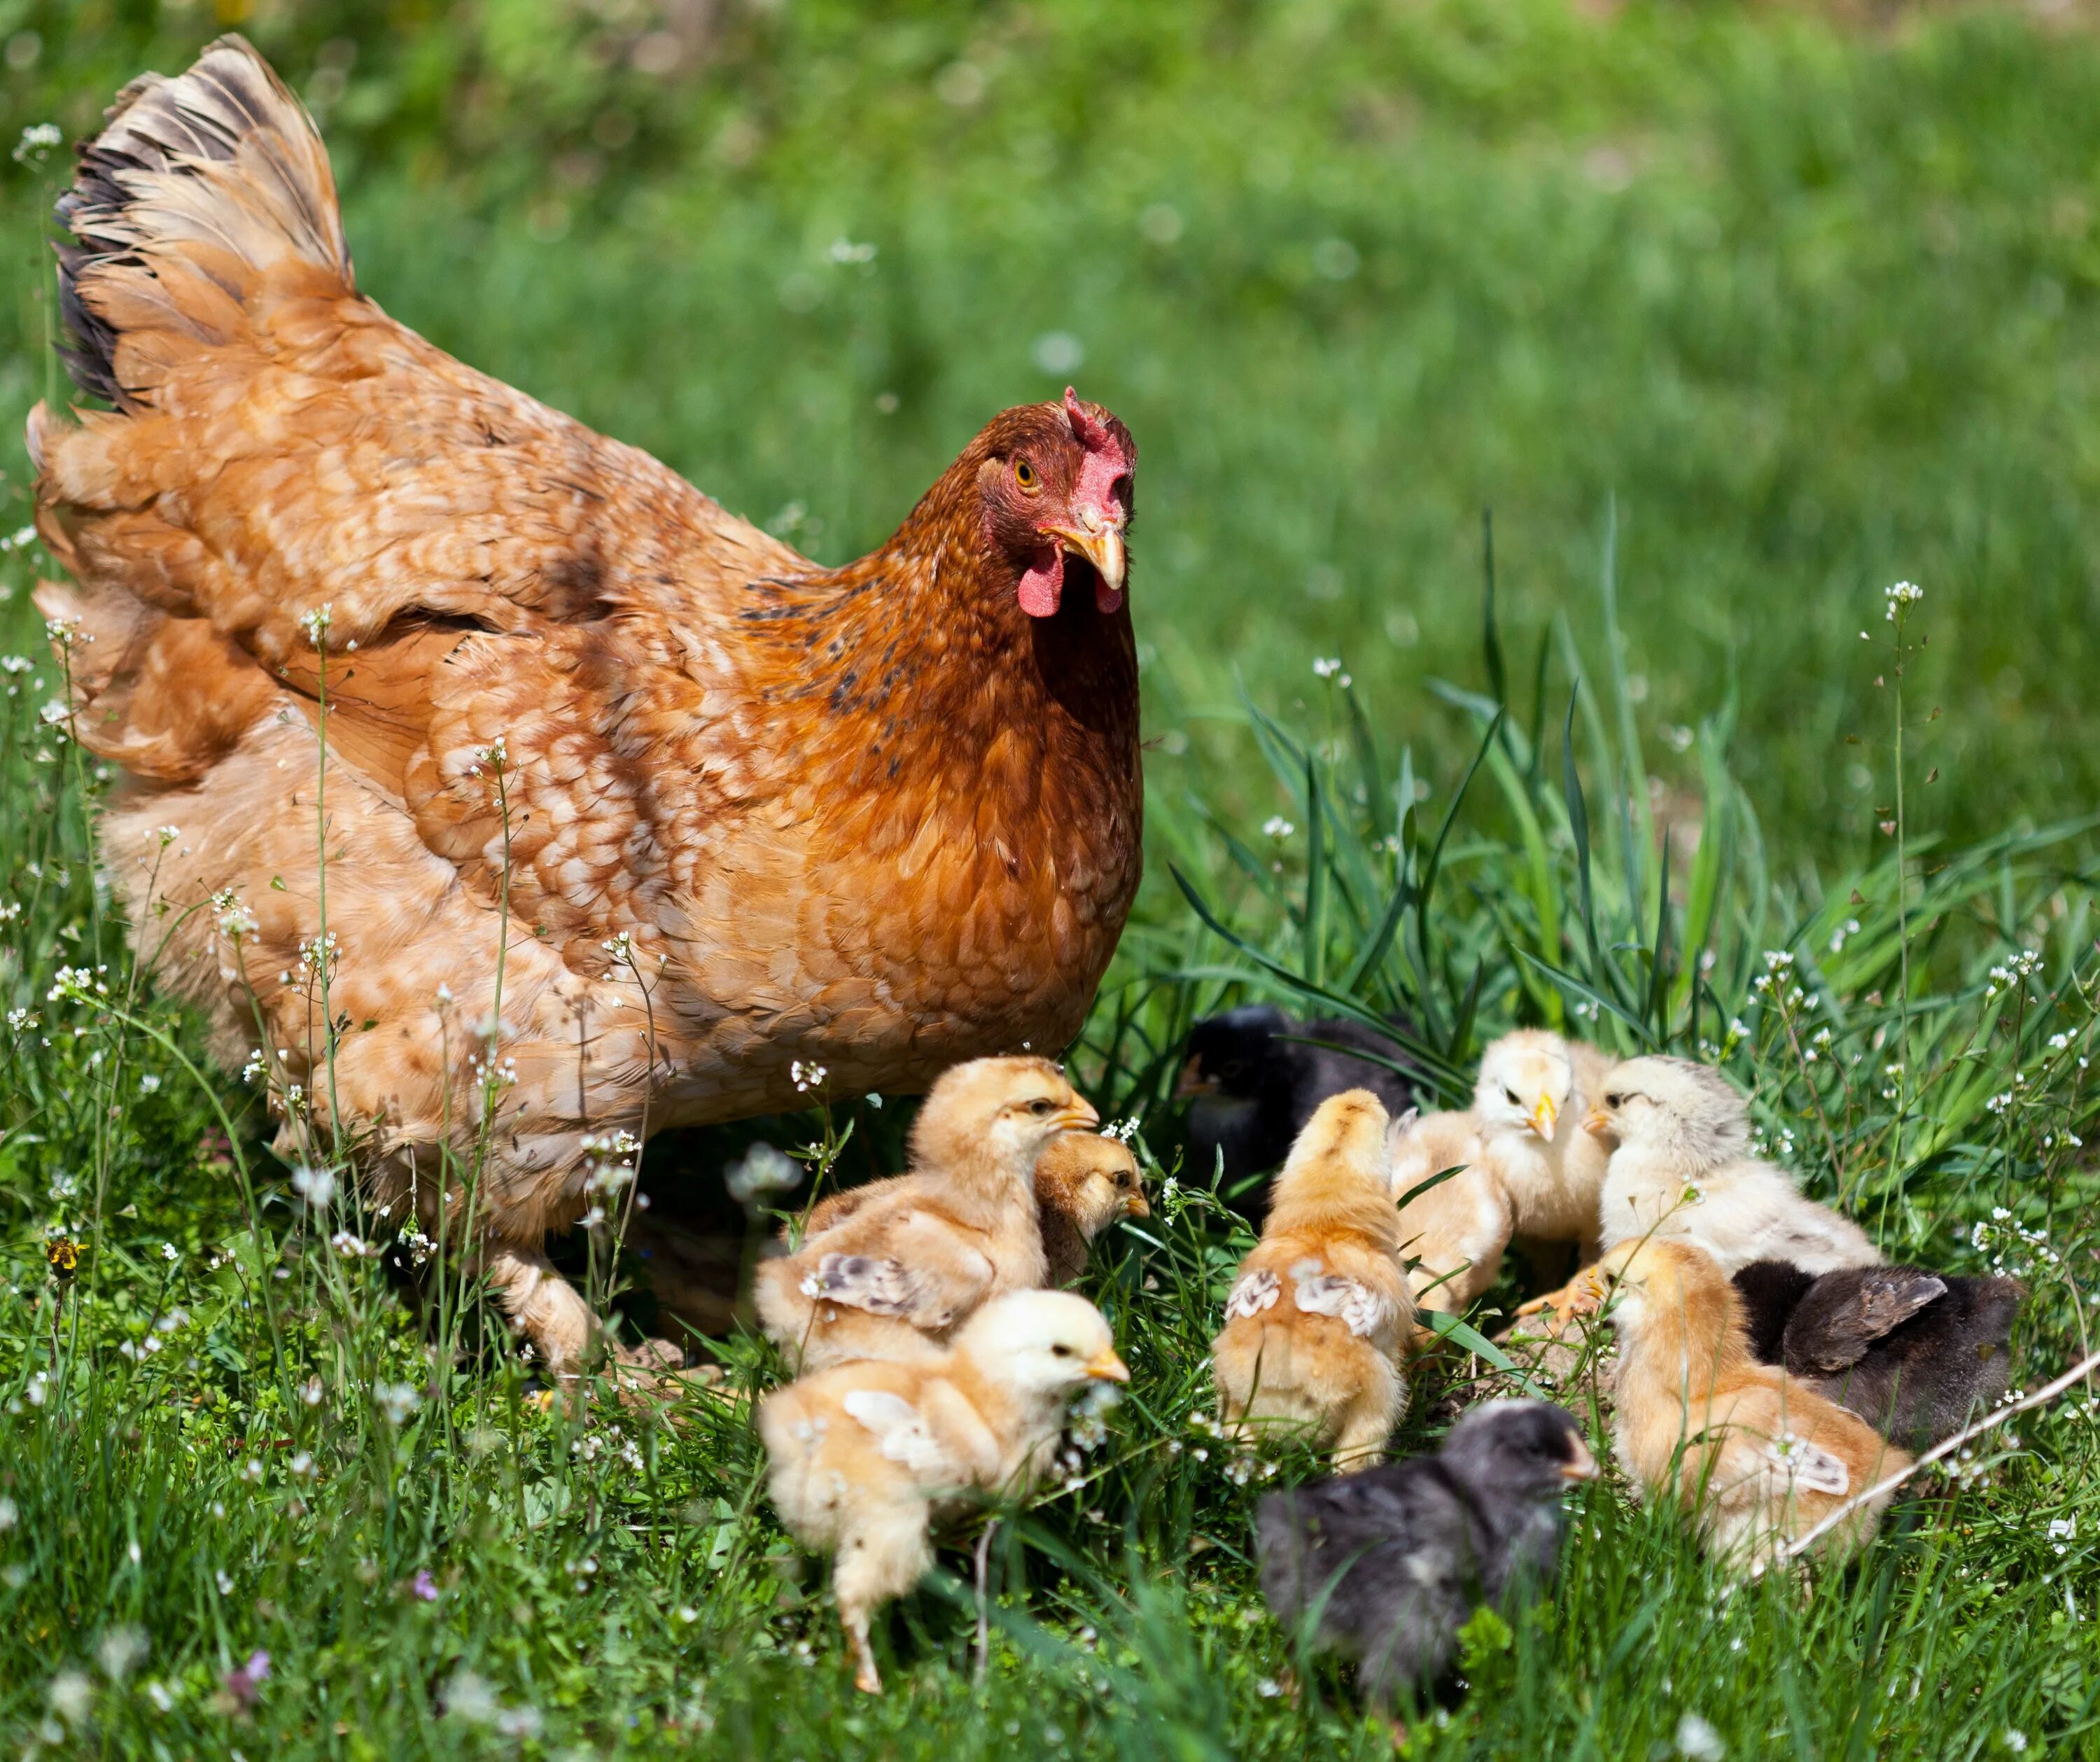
(1844, 1314)
(293, 484)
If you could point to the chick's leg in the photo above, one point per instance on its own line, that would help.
(1367, 1422)
(883, 1554)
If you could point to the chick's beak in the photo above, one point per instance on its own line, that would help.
(1101, 542)
(1136, 1205)
(1192, 1082)
(1586, 1295)
(1581, 1466)
(1597, 1123)
(1105, 1367)
(1545, 1117)
(1078, 1115)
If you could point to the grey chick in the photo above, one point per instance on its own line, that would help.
(1395, 1559)
(1914, 1352)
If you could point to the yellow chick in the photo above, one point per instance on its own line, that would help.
(1315, 1326)
(863, 1454)
(1756, 1458)
(1084, 1181)
(899, 1273)
(1681, 1171)
(1529, 1172)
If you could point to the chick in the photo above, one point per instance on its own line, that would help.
(1680, 1171)
(1314, 1328)
(864, 1455)
(1528, 1173)
(1253, 1081)
(1395, 1559)
(893, 1279)
(1084, 1181)
(1757, 1457)
(1916, 1353)
(1453, 1234)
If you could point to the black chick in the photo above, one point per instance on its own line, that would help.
(1395, 1558)
(1914, 1352)
(1253, 1084)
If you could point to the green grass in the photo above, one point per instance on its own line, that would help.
(1732, 319)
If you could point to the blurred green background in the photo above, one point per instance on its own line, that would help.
(1807, 296)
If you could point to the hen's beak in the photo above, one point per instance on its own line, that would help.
(1100, 543)
(1545, 1117)
(1192, 1082)
(1597, 1123)
(1581, 1466)
(1106, 1368)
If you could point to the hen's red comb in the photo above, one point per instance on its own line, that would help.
(1088, 429)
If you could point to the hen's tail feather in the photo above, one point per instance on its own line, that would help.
(196, 187)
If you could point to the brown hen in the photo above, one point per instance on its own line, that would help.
(628, 808)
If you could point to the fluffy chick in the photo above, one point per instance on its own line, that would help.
(1395, 1559)
(1084, 1181)
(863, 1454)
(1914, 1352)
(1757, 1457)
(1681, 1171)
(895, 1277)
(1252, 1082)
(1315, 1326)
(1528, 1173)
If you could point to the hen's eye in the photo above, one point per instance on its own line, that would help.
(1024, 474)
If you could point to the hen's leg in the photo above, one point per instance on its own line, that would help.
(546, 1307)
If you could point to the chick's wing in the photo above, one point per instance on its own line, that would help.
(1256, 1293)
(900, 1431)
(1845, 1314)
(905, 1260)
(1318, 1292)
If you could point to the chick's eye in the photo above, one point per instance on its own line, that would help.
(1026, 475)
(1613, 1101)
(1516, 1099)
(1039, 1106)
(1060, 1352)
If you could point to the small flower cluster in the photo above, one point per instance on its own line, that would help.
(1329, 667)
(1276, 827)
(1901, 597)
(2024, 966)
(762, 1171)
(37, 142)
(314, 622)
(398, 1401)
(1123, 1131)
(2013, 1248)
(612, 1443)
(1776, 983)
(807, 1077)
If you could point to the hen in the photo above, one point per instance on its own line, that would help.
(630, 809)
